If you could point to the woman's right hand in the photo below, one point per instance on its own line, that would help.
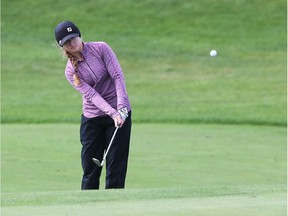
(118, 121)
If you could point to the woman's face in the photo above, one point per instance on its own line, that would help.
(73, 45)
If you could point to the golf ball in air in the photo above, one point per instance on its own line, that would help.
(213, 53)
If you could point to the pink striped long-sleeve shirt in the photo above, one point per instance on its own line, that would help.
(102, 84)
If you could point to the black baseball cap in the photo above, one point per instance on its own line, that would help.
(66, 30)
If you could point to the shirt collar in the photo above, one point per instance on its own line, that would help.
(83, 52)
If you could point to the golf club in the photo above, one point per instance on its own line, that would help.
(96, 161)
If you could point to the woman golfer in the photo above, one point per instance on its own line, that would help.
(93, 70)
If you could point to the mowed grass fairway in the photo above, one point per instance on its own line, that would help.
(200, 201)
(209, 134)
(174, 169)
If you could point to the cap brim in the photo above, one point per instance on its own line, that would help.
(62, 42)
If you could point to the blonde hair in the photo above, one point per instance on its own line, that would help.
(75, 66)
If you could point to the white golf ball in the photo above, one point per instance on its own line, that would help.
(213, 53)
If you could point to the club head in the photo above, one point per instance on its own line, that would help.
(97, 162)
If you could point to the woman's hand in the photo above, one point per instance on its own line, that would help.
(118, 121)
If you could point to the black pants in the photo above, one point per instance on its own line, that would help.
(95, 135)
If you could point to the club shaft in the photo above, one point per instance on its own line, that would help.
(111, 141)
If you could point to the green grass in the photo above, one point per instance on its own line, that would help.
(253, 200)
(47, 157)
(214, 138)
(163, 47)
(203, 169)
